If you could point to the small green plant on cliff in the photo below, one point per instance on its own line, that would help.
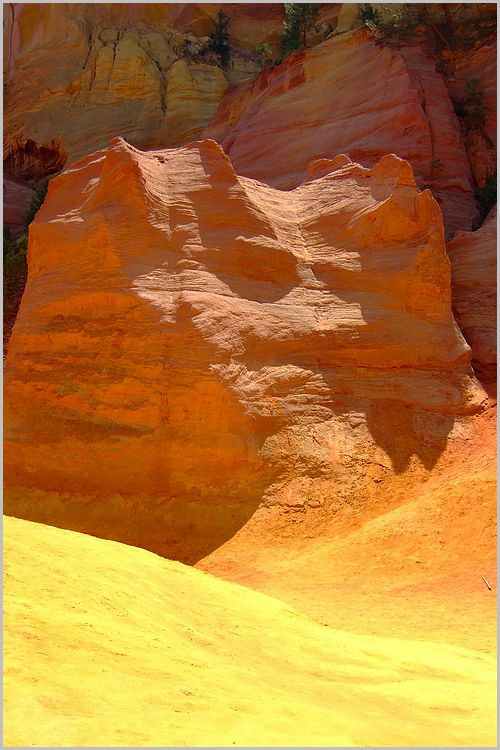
(390, 20)
(437, 165)
(300, 19)
(14, 251)
(36, 203)
(473, 104)
(487, 196)
(368, 16)
(218, 40)
(264, 52)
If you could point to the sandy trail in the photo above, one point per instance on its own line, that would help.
(110, 645)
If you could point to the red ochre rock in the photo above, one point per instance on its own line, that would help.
(191, 343)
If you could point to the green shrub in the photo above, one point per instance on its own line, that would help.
(487, 195)
(393, 20)
(36, 203)
(219, 38)
(264, 50)
(14, 251)
(474, 102)
(368, 15)
(300, 18)
(472, 108)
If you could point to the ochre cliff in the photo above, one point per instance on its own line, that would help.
(102, 79)
(85, 72)
(258, 336)
(372, 101)
(78, 75)
(185, 329)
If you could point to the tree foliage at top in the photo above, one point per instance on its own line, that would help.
(219, 38)
(300, 18)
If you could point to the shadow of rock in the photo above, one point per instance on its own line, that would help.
(403, 430)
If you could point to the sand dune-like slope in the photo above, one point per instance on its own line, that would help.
(110, 645)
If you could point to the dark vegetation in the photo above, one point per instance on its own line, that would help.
(265, 54)
(14, 266)
(450, 29)
(487, 197)
(300, 19)
(472, 107)
(14, 251)
(218, 40)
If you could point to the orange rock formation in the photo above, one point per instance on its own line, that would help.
(263, 363)
(185, 330)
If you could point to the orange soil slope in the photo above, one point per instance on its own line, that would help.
(408, 562)
(106, 645)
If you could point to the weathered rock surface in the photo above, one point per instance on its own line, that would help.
(100, 78)
(373, 100)
(473, 258)
(84, 73)
(193, 344)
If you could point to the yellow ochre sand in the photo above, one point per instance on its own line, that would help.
(106, 644)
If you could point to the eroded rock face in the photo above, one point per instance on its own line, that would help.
(193, 345)
(28, 160)
(371, 101)
(79, 75)
(100, 78)
(473, 258)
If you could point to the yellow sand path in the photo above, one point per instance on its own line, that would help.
(110, 645)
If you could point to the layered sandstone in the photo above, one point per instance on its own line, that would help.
(99, 80)
(373, 100)
(79, 74)
(185, 330)
(473, 258)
